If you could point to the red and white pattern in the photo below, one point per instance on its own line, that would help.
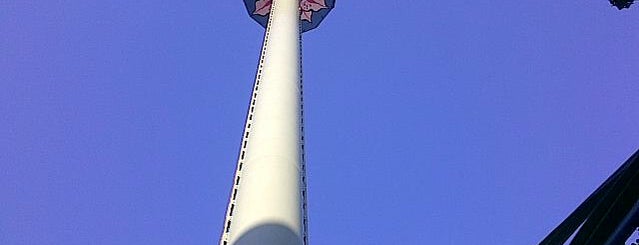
(307, 7)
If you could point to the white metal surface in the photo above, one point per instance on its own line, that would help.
(266, 205)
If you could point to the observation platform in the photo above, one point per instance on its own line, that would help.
(312, 12)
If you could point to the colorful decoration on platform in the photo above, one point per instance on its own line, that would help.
(312, 12)
(307, 7)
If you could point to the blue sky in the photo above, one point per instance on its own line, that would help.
(427, 122)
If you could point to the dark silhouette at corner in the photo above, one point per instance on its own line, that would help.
(269, 233)
(621, 4)
(608, 216)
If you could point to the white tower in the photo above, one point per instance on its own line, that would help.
(267, 204)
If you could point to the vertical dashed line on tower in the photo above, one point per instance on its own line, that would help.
(302, 155)
(245, 137)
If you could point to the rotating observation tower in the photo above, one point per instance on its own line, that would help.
(267, 202)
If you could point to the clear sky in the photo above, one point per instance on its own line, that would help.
(428, 122)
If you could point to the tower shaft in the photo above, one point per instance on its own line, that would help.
(267, 201)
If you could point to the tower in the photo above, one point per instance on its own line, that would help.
(267, 203)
